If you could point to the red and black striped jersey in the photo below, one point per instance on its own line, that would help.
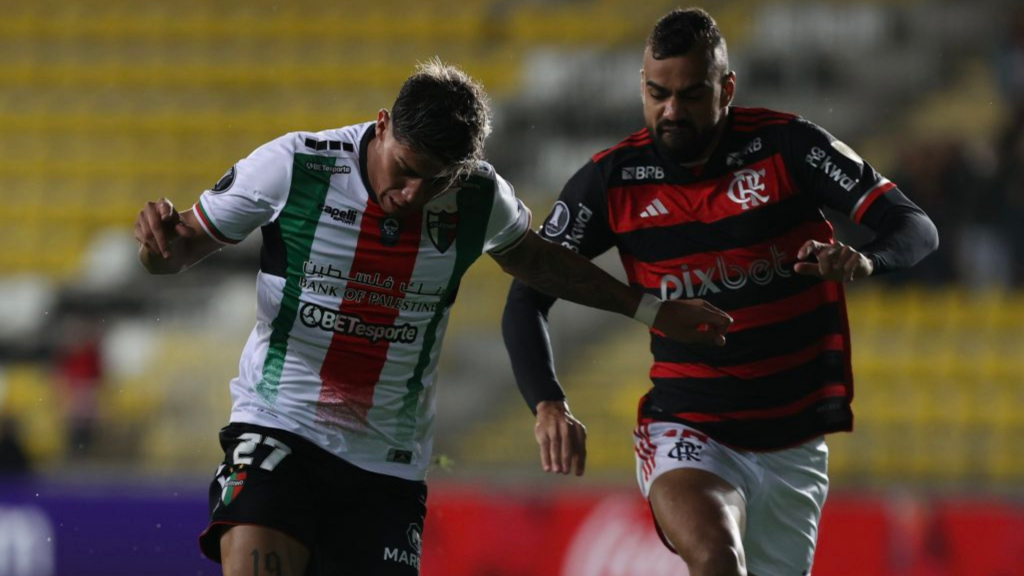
(729, 233)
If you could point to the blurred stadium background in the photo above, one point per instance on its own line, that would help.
(114, 383)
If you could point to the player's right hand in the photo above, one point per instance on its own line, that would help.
(157, 225)
(561, 437)
(693, 321)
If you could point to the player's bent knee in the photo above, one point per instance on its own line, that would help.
(717, 561)
(261, 551)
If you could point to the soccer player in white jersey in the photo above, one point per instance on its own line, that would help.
(367, 231)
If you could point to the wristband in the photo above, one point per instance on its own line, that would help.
(647, 311)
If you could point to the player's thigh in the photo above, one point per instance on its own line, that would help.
(378, 534)
(782, 529)
(701, 515)
(698, 490)
(260, 491)
(250, 550)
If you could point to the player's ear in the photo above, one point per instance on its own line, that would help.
(728, 88)
(383, 123)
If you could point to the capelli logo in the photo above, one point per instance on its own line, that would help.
(643, 173)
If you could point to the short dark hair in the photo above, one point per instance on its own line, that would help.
(443, 111)
(682, 30)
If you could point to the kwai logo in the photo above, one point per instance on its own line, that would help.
(723, 275)
(574, 237)
(820, 159)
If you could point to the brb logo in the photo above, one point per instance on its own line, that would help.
(723, 275)
(643, 173)
(746, 187)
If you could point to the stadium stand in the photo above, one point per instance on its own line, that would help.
(104, 105)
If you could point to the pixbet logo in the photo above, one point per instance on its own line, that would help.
(713, 279)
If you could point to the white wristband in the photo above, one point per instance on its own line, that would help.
(647, 311)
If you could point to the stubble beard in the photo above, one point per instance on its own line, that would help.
(686, 146)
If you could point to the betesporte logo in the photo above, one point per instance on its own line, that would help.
(333, 321)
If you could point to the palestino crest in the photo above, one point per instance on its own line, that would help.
(232, 487)
(441, 228)
(746, 186)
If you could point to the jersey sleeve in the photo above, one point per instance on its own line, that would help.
(579, 218)
(832, 171)
(250, 194)
(510, 219)
(578, 221)
(842, 180)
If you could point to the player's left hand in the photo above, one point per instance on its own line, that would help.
(561, 437)
(836, 261)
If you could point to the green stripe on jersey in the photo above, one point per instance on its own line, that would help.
(298, 222)
(474, 206)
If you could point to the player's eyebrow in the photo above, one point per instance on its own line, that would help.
(689, 89)
(408, 169)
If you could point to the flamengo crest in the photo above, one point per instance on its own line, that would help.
(442, 228)
(745, 186)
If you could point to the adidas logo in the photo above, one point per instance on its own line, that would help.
(655, 208)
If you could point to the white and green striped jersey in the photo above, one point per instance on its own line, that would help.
(352, 304)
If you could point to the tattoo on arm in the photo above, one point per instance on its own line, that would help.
(562, 273)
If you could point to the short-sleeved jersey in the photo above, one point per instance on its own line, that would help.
(352, 304)
(729, 233)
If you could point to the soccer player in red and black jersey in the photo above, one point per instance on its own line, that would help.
(722, 203)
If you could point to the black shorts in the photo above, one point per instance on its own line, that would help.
(354, 522)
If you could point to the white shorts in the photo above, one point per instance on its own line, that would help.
(783, 490)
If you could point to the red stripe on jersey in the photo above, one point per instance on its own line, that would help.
(761, 368)
(353, 364)
(831, 391)
(870, 198)
(758, 126)
(655, 205)
(848, 352)
(786, 308)
(741, 113)
(752, 119)
(757, 263)
(747, 120)
(637, 139)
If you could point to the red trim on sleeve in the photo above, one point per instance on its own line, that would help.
(210, 227)
(870, 198)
